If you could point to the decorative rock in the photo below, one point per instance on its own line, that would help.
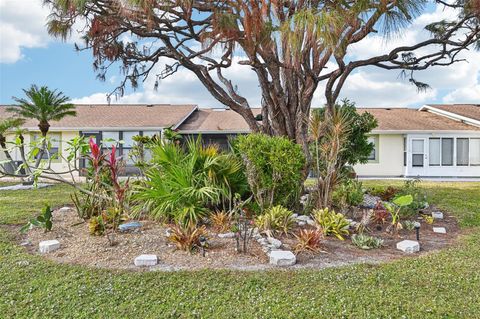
(369, 201)
(295, 215)
(48, 246)
(227, 235)
(282, 258)
(301, 223)
(131, 226)
(440, 230)
(274, 242)
(146, 260)
(262, 241)
(302, 218)
(26, 243)
(437, 215)
(65, 209)
(311, 222)
(408, 246)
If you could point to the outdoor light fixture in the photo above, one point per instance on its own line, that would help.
(203, 244)
(417, 229)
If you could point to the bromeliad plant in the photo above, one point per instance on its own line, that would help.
(331, 223)
(276, 220)
(366, 242)
(308, 240)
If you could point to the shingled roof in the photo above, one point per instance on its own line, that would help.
(216, 120)
(405, 119)
(115, 116)
(471, 111)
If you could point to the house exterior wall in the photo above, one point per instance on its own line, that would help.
(389, 158)
(57, 165)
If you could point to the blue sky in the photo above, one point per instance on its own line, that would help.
(29, 56)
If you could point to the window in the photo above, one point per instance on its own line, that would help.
(404, 151)
(475, 151)
(110, 138)
(462, 151)
(54, 140)
(434, 151)
(447, 151)
(417, 152)
(373, 157)
(128, 143)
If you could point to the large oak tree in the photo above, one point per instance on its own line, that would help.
(293, 46)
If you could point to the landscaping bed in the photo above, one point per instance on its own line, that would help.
(79, 247)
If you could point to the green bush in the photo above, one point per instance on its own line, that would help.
(276, 219)
(274, 168)
(411, 187)
(183, 184)
(366, 242)
(348, 193)
(331, 223)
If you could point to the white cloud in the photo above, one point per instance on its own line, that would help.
(464, 95)
(22, 25)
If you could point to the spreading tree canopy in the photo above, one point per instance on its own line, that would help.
(287, 43)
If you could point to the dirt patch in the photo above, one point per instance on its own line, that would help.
(79, 247)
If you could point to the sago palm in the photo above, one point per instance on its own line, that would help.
(44, 105)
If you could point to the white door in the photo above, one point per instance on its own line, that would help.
(418, 160)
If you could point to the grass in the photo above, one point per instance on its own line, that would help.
(17, 206)
(445, 284)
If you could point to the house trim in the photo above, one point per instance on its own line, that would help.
(451, 115)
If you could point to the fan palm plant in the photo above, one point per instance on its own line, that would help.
(183, 183)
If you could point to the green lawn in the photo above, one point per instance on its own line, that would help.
(445, 284)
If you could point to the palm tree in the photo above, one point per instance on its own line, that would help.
(5, 126)
(43, 105)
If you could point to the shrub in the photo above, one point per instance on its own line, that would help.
(274, 168)
(380, 214)
(331, 223)
(182, 183)
(275, 219)
(366, 242)
(308, 240)
(411, 187)
(187, 237)
(348, 193)
(221, 221)
(44, 220)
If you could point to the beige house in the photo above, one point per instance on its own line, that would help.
(433, 141)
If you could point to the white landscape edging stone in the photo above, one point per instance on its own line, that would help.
(408, 246)
(275, 243)
(282, 258)
(437, 215)
(146, 260)
(440, 230)
(48, 246)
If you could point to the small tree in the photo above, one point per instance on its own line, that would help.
(44, 105)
